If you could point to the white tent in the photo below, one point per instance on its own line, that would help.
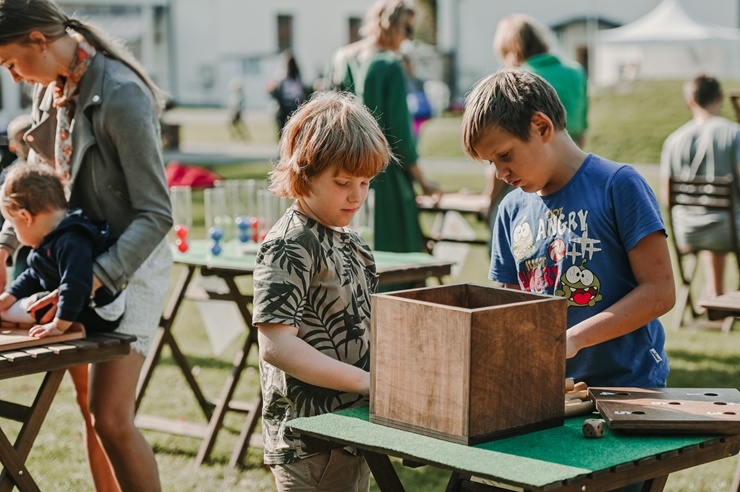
(666, 44)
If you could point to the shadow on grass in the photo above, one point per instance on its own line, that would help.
(697, 370)
(204, 362)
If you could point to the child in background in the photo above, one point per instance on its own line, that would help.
(17, 127)
(289, 92)
(64, 243)
(578, 226)
(312, 287)
(17, 148)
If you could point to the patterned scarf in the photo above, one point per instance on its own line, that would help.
(65, 91)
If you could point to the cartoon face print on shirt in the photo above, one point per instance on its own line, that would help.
(523, 244)
(551, 251)
(580, 286)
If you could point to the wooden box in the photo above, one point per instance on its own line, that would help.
(467, 363)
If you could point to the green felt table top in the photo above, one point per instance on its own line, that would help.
(236, 256)
(535, 459)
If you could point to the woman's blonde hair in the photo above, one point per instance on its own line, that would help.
(19, 18)
(386, 18)
(518, 37)
(331, 130)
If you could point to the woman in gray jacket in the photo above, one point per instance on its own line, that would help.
(96, 120)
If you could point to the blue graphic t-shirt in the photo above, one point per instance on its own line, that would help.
(574, 243)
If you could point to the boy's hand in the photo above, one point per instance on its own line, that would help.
(570, 346)
(47, 330)
(365, 384)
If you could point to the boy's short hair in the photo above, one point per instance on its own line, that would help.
(332, 129)
(32, 187)
(507, 101)
(703, 89)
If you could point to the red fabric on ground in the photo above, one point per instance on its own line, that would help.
(179, 174)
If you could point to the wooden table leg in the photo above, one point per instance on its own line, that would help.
(656, 484)
(736, 481)
(383, 471)
(247, 434)
(223, 404)
(454, 483)
(160, 337)
(13, 457)
(217, 420)
(214, 412)
(14, 472)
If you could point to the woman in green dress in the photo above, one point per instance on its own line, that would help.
(372, 69)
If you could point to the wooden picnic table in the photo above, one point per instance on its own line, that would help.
(52, 358)
(235, 262)
(471, 204)
(557, 459)
(727, 308)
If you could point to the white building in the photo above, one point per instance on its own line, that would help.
(193, 48)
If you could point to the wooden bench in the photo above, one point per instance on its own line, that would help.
(52, 358)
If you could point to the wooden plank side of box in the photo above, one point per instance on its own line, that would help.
(518, 367)
(419, 366)
(466, 362)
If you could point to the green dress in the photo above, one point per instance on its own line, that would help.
(380, 83)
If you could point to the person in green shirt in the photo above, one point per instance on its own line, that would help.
(521, 41)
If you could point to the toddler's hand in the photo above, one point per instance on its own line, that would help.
(43, 331)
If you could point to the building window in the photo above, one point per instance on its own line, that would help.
(355, 23)
(285, 32)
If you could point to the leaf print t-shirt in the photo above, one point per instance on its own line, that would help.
(574, 243)
(318, 280)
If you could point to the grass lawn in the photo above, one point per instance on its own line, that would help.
(626, 124)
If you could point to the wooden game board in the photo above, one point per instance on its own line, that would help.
(670, 410)
(15, 336)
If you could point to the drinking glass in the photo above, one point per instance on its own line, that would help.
(216, 217)
(182, 216)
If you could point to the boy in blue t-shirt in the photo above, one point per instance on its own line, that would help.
(578, 226)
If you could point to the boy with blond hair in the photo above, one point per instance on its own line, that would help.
(312, 286)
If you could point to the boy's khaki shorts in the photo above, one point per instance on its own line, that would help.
(333, 471)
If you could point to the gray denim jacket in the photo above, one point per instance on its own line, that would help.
(117, 172)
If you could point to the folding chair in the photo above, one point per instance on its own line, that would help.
(709, 194)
